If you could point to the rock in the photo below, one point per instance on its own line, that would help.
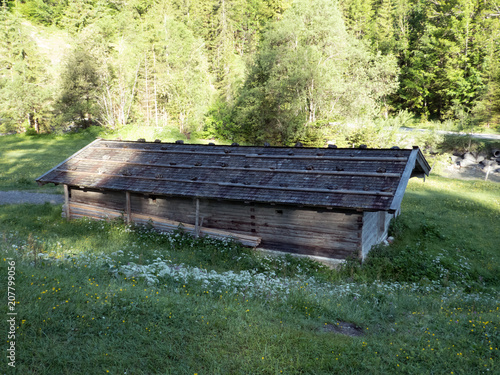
(468, 160)
(469, 156)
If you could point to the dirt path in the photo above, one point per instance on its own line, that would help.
(16, 197)
(470, 173)
(472, 135)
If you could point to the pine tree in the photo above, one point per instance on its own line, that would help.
(24, 91)
(79, 89)
(383, 34)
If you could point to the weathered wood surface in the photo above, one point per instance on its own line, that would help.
(320, 232)
(360, 179)
(315, 231)
(243, 169)
(375, 228)
(400, 191)
(80, 210)
(128, 207)
(66, 201)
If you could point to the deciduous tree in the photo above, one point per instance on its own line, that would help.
(309, 68)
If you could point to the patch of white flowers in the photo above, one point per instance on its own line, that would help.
(251, 283)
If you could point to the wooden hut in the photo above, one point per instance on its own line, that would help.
(327, 202)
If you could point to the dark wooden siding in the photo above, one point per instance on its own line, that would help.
(313, 231)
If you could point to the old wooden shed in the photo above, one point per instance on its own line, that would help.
(328, 202)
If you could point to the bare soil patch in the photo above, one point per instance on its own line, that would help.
(343, 328)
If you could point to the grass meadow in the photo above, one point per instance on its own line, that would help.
(105, 298)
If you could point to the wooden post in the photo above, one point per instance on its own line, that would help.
(66, 202)
(197, 218)
(128, 207)
(487, 172)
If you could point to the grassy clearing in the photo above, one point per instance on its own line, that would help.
(23, 157)
(94, 297)
(448, 231)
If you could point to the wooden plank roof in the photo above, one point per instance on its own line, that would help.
(362, 179)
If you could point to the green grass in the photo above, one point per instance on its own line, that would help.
(93, 297)
(451, 220)
(429, 303)
(23, 157)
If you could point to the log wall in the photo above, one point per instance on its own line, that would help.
(304, 230)
(375, 228)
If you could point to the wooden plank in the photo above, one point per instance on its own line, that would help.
(94, 211)
(197, 218)
(128, 207)
(66, 202)
(272, 187)
(61, 163)
(239, 215)
(108, 198)
(247, 240)
(292, 171)
(85, 210)
(338, 253)
(400, 191)
(268, 187)
(344, 158)
(280, 156)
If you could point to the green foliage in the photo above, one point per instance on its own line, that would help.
(25, 88)
(45, 12)
(179, 78)
(25, 156)
(218, 122)
(307, 69)
(445, 57)
(164, 63)
(80, 83)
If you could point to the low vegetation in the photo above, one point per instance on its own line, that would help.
(103, 297)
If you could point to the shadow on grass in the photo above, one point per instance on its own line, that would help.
(24, 158)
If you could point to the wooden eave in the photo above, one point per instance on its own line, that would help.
(416, 165)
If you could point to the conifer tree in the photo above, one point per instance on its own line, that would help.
(24, 90)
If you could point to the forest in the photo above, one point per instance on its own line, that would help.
(249, 71)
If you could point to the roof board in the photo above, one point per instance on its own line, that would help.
(362, 179)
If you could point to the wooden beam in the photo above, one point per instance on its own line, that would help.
(281, 156)
(128, 207)
(400, 191)
(66, 202)
(197, 218)
(271, 187)
(294, 171)
(344, 158)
